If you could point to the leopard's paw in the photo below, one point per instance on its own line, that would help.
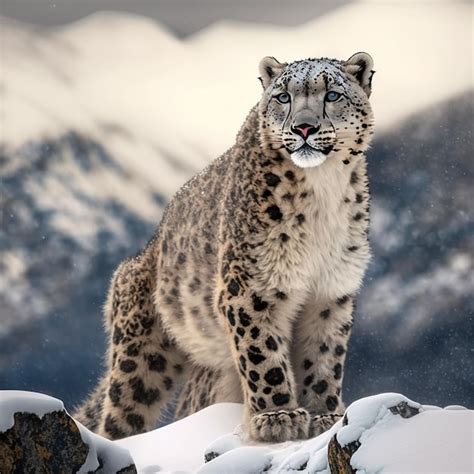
(281, 425)
(321, 423)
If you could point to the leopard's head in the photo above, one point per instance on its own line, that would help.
(312, 109)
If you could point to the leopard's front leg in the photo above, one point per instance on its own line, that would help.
(260, 348)
(321, 339)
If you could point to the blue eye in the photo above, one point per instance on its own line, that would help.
(283, 98)
(332, 96)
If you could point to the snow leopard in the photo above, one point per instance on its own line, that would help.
(246, 291)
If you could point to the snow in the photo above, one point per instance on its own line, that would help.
(112, 455)
(12, 401)
(434, 440)
(181, 445)
(365, 413)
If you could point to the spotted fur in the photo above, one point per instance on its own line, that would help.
(246, 290)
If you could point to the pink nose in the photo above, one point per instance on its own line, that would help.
(305, 129)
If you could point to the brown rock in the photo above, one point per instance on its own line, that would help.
(50, 444)
(339, 458)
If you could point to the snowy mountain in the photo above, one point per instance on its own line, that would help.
(383, 433)
(104, 119)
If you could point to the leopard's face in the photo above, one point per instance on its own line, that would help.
(316, 107)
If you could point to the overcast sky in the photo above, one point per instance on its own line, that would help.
(181, 16)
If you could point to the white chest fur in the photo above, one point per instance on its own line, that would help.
(316, 259)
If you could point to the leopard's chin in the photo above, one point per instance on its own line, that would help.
(308, 157)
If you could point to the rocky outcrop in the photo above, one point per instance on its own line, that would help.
(34, 439)
(52, 443)
(339, 456)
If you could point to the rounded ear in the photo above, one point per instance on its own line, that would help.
(269, 68)
(360, 65)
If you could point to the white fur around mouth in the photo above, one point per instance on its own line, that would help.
(307, 157)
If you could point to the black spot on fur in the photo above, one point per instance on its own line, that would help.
(342, 300)
(112, 428)
(271, 343)
(181, 258)
(244, 318)
(290, 175)
(274, 376)
(208, 248)
(258, 303)
(230, 315)
(345, 328)
(137, 422)
(272, 179)
(281, 296)
(156, 362)
(254, 375)
(308, 380)
(255, 358)
(339, 350)
(284, 237)
(332, 402)
(117, 335)
(133, 349)
(274, 213)
(261, 403)
(115, 392)
(243, 363)
(358, 216)
(280, 399)
(337, 371)
(128, 365)
(241, 331)
(325, 314)
(307, 364)
(323, 347)
(359, 198)
(233, 287)
(353, 248)
(300, 218)
(252, 386)
(255, 332)
(320, 387)
(267, 390)
(142, 394)
(168, 383)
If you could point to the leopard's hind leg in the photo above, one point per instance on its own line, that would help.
(143, 365)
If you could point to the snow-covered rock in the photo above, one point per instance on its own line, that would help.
(38, 435)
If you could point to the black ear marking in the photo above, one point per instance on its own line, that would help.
(360, 66)
(269, 69)
(269, 72)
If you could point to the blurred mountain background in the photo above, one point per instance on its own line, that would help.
(103, 119)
